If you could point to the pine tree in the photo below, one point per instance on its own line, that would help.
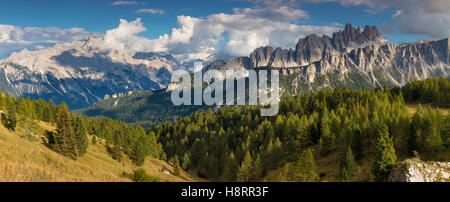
(385, 158)
(80, 135)
(65, 142)
(258, 168)
(358, 146)
(230, 168)
(245, 170)
(46, 113)
(347, 167)
(306, 168)
(186, 162)
(138, 154)
(116, 151)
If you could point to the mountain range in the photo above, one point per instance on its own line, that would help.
(81, 73)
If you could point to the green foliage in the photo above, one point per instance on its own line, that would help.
(80, 135)
(385, 157)
(327, 120)
(305, 168)
(65, 142)
(434, 91)
(347, 168)
(186, 161)
(140, 175)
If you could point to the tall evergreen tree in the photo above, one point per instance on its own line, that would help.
(245, 170)
(80, 135)
(116, 151)
(138, 153)
(385, 157)
(306, 168)
(347, 167)
(65, 142)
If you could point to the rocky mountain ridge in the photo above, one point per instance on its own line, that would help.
(363, 59)
(81, 73)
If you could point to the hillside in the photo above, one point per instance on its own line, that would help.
(145, 108)
(328, 135)
(24, 161)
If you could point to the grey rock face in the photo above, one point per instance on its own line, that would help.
(364, 58)
(81, 74)
(414, 170)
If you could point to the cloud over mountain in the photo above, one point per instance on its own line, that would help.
(421, 17)
(14, 38)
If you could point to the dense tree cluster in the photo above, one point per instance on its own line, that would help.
(434, 91)
(235, 143)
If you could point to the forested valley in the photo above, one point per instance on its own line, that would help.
(328, 135)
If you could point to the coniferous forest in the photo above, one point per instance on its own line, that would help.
(350, 129)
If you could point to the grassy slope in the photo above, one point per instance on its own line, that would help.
(25, 161)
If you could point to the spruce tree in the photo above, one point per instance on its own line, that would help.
(80, 135)
(116, 151)
(245, 170)
(347, 167)
(138, 154)
(65, 142)
(385, 158)
(186, 161)
(46, 114)
(306, 168)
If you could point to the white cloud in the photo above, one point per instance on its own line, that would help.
(282, 13)
(151, 11)
(242, 32)
(120, 3)
(13, 38)
(421, 17)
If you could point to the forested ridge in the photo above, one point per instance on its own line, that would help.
(236, 144)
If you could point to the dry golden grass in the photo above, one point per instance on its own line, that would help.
(412, 108)
(25, 161)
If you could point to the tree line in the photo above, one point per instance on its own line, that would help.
(236, 144)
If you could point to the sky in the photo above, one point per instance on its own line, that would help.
(197, 29)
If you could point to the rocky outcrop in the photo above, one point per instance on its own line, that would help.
(415, 170)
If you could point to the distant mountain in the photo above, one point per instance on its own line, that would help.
(81, 73)
(351, 58)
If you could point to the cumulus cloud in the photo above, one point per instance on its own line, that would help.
(13, 38)
(150, 10)
(238, 34)
(421, 17)
(121, 3)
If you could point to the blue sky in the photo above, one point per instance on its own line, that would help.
(161, 16)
